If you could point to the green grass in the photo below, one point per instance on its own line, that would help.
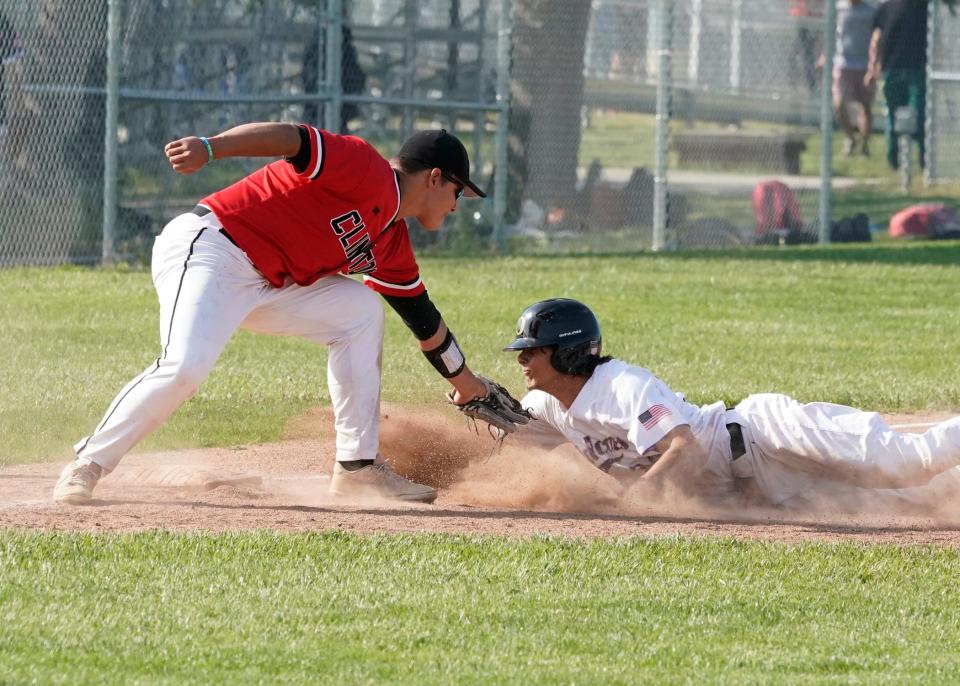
(867, 325)
(335, 608)
(626, 140)
(871, 326)
(618, 139)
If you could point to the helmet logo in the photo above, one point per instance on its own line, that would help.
(570, 333)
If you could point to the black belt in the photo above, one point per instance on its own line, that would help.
(737, 447)
(202, 211)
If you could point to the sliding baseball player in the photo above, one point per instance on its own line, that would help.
(630, 424)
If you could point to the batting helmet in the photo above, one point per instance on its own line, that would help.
(566, 325)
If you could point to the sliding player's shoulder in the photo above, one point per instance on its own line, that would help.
(622, 375)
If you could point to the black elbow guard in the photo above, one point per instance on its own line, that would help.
(418, 313)
(447, 358)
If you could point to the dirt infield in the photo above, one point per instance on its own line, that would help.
(283, 487)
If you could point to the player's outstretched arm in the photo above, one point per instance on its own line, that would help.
(268, 139)
(476, 396)
(466, 385)
(680, 463)
(473, 395)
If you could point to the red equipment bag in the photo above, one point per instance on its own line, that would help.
(775, 207)
(929, 220)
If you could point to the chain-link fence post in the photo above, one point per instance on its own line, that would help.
(736, 44)
(334, 41)
(930, 121)
(479, 117)
(504, 38)
(826, 120)
(114, 20)
(411, 13)
(696, 32)
(664, 82)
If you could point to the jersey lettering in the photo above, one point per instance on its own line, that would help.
(355, 242)
(604, 452)
(361, 257)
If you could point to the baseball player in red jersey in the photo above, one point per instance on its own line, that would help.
(271, 253)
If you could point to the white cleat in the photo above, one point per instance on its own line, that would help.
(378, 481)
(76, 483)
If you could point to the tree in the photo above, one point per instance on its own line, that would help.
(546, 93)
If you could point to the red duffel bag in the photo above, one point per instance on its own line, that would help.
(928, 220)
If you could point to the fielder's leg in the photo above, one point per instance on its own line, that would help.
(206, 287)
(346, 316)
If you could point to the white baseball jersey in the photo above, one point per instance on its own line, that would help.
(795, 453)
(620, 415)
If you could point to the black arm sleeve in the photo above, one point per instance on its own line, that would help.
(302, 158)
(418, 313)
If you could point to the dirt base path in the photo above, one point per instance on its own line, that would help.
(283, 487)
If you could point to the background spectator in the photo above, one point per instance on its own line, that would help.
(898, 50)
(854, 29)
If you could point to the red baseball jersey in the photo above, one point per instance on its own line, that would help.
(337, 215)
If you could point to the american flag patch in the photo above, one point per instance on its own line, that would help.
(652, 415)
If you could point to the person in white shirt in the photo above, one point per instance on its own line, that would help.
(628, 423)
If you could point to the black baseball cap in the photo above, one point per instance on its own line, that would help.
(443, 151)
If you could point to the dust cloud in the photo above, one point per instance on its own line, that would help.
(471, 469)
(474, 469)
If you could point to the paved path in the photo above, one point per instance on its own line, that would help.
(722, 182)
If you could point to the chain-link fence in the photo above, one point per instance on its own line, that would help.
(943, 111)
(377, 68)
(632, 123)
(735, 86)
(51, 159)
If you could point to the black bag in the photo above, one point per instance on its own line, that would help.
(855, 229)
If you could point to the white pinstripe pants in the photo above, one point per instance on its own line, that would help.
(207, 289)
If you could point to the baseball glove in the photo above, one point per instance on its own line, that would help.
(497, 408)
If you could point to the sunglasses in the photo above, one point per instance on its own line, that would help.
(454, 182)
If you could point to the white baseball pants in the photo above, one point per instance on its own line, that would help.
(208, 288)
(798, 452)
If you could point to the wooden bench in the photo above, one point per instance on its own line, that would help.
(758, 149)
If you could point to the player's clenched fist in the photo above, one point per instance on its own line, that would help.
(187, 155)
